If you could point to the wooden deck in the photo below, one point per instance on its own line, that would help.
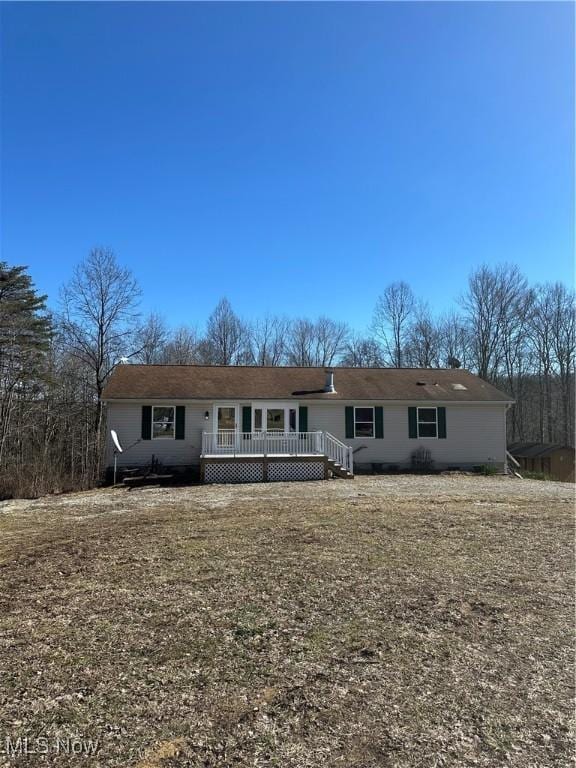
(236, 457)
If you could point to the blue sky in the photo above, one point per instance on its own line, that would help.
(295, 157)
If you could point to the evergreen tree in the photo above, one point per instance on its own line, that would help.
(24, 338)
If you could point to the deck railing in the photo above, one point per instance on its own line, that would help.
(229, 442)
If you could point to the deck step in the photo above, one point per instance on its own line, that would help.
(339, 470)
(150, 479)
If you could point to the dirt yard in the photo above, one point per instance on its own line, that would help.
(391, 621)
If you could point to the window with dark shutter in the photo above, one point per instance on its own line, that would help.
(427, 422)
(146, 422)
(442, 422)
(163, 422)
(349, 420)
(379, 422)
(180, 422)
(364, 421)
(412, 423)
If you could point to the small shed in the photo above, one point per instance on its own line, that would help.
(556, 461)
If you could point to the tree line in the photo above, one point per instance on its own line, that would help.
(54, 362)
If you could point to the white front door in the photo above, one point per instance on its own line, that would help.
(225, 425)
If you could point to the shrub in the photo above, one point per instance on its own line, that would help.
(534, 475)
(422, 460)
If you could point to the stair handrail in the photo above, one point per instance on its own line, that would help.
(338, 451)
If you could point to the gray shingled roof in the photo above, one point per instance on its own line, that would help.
(198, 382)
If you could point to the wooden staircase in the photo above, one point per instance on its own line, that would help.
(339, 461)
(339, 470)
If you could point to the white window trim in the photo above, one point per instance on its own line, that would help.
(426, 408)
(266, 405)
(365, 437)
(169, 437)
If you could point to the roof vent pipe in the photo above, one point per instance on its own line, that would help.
(329, 386)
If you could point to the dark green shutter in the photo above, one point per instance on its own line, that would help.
(379, 422)
(246, 418)
(441, 422)
(146, 422)
(303, 418)
(349, 422)
(412, 423)
(180, 422)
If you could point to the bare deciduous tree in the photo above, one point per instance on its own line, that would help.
(316, 343)
(454, 340)
(422, 346)
(362, 352)
(551, 332)
(391, 319)
(267, 340)
(540, 328)
(99, 319)
(515, 315)
(301, 342)
(182, 347)
(564, 348)
(226, 339)
(330, 341)
(151, 339)
(491, 294)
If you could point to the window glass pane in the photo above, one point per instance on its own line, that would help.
(275, 419)
(292, 419)
(163, 429)
(426, 430)
(364, 430)
(427, 414)
(162, 413)
(364, 414)
(226, 418)
(257, 419)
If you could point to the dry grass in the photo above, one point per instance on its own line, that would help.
(382, 622)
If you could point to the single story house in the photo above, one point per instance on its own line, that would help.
(248, 423)
(555, 461)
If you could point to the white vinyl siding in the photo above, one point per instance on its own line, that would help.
(126, 419)
(475, 434)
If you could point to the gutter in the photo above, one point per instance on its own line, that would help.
(320, 401)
